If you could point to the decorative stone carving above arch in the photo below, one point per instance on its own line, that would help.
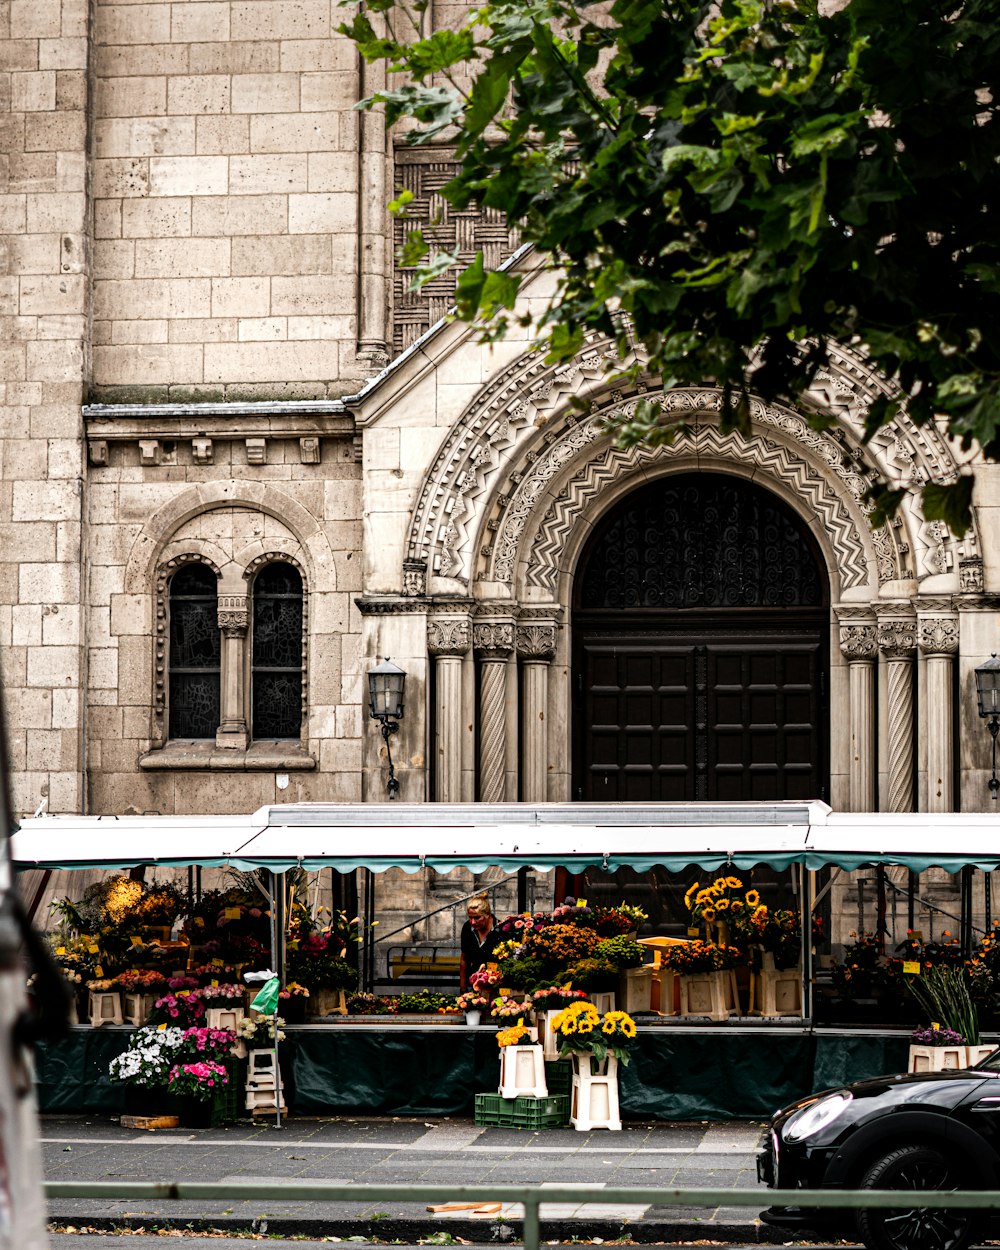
(480, 499)
(303, 535)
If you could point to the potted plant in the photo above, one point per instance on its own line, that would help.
(140, 989)
(935, 1049)
(195, 1086)
(472, 1003)
(293, 998)
(596, 1044)
(144, 1068)
(547, 1002)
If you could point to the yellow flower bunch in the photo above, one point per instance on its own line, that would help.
(513, 1035)
(724, 899)
(580, 1017)
(618, 1023)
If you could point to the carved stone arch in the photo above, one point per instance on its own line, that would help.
(518, 417)
(159, 530)
(550, 551)
(547, 493)
(524, 397)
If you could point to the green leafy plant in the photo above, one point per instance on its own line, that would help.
(738, 187)
(943, 994)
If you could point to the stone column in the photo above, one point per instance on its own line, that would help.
(536, 645)
(494, 643)
(897, 641)
(448, 640)
(938, 639)
(859, 647)
(233, 620)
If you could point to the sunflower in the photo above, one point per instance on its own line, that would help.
(719, 883)
(722, 904)
(753, 898)
(687, 896)
(708, 915)
(628, 1027)
(585, 1025)
(568, 1026)
(734, 883)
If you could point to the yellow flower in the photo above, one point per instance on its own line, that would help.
(568, 1026)
(734, 883)
(753, 898)
(708, 914)
(722, 904)
(628, 1027)
(608, 1026)
(585, 1025)
(719, 883)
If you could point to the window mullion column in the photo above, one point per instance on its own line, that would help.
(233, 621)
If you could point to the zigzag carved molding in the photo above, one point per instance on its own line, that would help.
(707, 441)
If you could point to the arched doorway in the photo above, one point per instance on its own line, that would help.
(700, 648)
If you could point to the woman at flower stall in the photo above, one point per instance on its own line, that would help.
(478, 940)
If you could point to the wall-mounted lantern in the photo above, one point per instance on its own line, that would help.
(385, 704)
(988, 695)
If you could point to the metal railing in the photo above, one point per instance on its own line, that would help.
(530, 1196)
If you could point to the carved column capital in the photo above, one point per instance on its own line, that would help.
(233, 615)
(494, 638)
(536, 640)
(858, 642)
(897, 637)
(938, 635)
(448, 635)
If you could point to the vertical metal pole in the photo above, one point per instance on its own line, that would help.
(531, 1221)
(988, 900)
(274, 886)
(806, 897)
(522, 889)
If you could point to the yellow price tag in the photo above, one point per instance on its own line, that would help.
(912, 965)
(581, 902)
(215, 980)
(136, 940)
(98, 971)
(232, 913)
(218, 963)
(93, 949)
(60, 950)
(503, 993)
(694, 932)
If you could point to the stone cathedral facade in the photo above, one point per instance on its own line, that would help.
(241, 464)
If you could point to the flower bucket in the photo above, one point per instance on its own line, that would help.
(472, 1019)
(594, 1098)
(138, 1007)
(327, 1003)
(711, 994)
(105, 1007)
(936, 1058)
(973, 1054)
(635, 990)
(550, 1040)
(522, 1071)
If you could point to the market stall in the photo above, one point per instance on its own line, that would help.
(729, 1069)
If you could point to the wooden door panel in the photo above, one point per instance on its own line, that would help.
(730, 715)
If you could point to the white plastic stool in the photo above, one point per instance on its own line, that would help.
(711, 994)
(138, 1007)
(223, 1017)
(105, 1007)
(260, 1069)
(604, 1002)
(551, 1041)
(522, 1071)
(594, 1102)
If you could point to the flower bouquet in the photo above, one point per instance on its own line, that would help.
(152, 1052)
(556, 997)
(935, 1035)
(516, 1035)
(183, 1009)
(688, 958)
(618, 921)
(472, 1000)
(572, 912)
(507, 1008)
(222, 995)
(583, 1030)
(259, 1034)
(197, 1080)
(140, 981)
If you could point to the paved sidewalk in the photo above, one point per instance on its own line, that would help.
(444, 1153)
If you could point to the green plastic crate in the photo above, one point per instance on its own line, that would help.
(522, 1112)
(558, 1076)
(227, 1103)
(551, 1112)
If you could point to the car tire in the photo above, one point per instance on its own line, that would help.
(915, 1228)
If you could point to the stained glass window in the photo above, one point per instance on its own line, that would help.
(194, 653)
(276, 678)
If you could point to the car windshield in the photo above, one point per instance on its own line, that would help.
(991, 1063)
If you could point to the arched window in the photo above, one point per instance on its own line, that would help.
(195, 653)
(276, 663)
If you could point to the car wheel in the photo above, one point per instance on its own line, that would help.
(914, 1228)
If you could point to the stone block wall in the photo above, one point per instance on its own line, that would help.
(44, 273)
(225, 168)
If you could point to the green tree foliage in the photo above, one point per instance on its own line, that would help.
(747, 181)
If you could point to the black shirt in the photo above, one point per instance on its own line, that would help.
(475, 953)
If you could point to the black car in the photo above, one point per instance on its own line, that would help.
(930, 1131)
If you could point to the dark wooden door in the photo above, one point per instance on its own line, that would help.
(701, 713)
(701, 637)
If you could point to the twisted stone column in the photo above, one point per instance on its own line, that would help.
(938, 640)
(493, 640)
(448, 640)
(859, 647)
(536, 645)
(234, 620)
(897, 641)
